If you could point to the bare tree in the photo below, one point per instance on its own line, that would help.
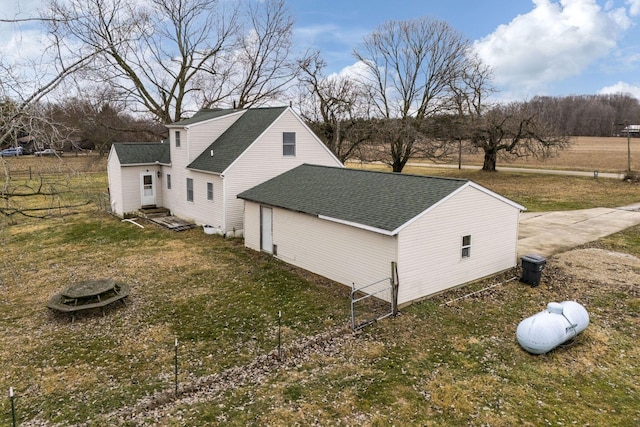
(98, 121)
(470, 90)
(151, 54)
(26, 82)
(263, 67)
(171, 57)
(410, 66)
(513, 130)
(333, 107)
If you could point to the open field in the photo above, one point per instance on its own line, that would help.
(436, 364)
(586, 154)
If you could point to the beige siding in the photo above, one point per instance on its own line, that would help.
(429, 250)
(264, 160)
(130, 187)
(193, 141)
(124, 185)
(341, 253)
(201, 210)
(199, 136)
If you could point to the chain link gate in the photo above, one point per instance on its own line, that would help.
(372, 302)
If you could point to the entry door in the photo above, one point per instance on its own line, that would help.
(266, 230)
(147, 189)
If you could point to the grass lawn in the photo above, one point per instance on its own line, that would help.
(436, 364)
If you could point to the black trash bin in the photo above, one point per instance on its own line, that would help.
(532, 266)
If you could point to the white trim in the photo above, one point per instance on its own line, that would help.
(497, 196)
(144, 164)
(232, 164)
(426, 211)
(268, 128)
(224, 203)
(204, 171)
(452, 194)
(174, 126)
(152, 197)
(313, 134)
(357, 225)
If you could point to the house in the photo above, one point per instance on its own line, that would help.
(356, 227)
(209, 159)
(631, 130)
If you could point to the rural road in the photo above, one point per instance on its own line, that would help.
(548, 233)
(526, 170)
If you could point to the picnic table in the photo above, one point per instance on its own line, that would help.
(88, 295)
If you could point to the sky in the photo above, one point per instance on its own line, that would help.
(535, 47)
(539, 47)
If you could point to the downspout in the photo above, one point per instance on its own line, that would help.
(517, 234)
(186, 131)
(394, 288)
(224, 205)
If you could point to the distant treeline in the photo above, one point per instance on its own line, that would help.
(588, 115)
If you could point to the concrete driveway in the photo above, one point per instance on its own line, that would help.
(548, 233)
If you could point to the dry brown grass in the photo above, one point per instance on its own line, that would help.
(586, 154)
(434, 365)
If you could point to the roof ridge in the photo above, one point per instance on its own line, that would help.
(386, 172)
(138, 143)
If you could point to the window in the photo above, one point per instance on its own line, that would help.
(466, 246)
(177, 138)
(288, 143)
(189, 190)
(168, 181)
(210, 191)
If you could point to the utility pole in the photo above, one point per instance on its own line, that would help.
(627, 128)
(628, 150)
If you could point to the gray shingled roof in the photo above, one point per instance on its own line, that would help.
(235, 140)
(380, 200)
(135, 153)
(204, 114)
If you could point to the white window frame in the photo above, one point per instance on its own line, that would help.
(190, 190)
(288, 146)
(177, 138)
(210, 191)
(466, 246)
(168, 181)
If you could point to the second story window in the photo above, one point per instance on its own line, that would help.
(177, 138)
(288, 143)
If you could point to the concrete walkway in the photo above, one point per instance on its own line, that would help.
(548, 233)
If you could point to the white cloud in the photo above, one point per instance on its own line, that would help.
(554, 41)
(20, 39)
(622, 87)
(355, 71)
(634, 7)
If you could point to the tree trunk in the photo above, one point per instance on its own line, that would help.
(397, 166)
(490, 160)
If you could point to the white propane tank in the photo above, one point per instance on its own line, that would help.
(546, 330)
